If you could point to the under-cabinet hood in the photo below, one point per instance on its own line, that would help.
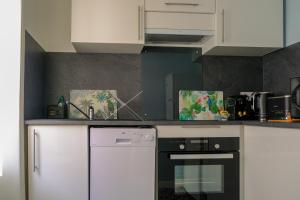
(177, 36)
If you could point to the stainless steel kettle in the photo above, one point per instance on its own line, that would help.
(295, 92)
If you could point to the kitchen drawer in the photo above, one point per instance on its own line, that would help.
(196, 131)
(188, 6)
(187, 21)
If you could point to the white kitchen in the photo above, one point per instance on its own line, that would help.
(150, 100)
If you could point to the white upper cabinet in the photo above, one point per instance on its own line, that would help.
(222, 27)
(247, 27)
(108, 26)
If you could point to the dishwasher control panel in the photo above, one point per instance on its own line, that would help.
(122, 137)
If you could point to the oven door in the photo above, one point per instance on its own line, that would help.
(198, 176)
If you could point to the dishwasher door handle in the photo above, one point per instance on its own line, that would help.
(123, 141)
(200, 156)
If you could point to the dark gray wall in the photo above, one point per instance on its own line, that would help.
(279, 67)
(71, 71)
(232, 74)
(33, 83)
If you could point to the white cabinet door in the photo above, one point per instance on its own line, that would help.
(253, 26)
(108, 25)
(58, 163)
(272, 163)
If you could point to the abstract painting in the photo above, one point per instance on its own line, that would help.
(200, 105)
(103, 101)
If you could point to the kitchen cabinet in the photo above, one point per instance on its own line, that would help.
(272, 163)
(247, 28)
(108, 26)
(58, 163)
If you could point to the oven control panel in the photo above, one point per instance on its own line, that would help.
(199, 144)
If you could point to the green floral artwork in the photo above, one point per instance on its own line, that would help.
(200, 105)
(103, 101)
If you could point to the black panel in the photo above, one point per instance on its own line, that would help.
(157, 65)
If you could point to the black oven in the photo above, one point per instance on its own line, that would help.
(198, 169)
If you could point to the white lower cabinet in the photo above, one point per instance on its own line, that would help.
(58, 163)
(272, 163)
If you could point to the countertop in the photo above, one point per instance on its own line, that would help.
(156, 123)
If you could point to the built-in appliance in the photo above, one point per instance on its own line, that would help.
(295, 92)
(122, 163)
(198, 169)
(260, 100)
(279, 108)
(239, 108)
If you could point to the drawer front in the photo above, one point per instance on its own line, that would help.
(186, 21)
(188, 6)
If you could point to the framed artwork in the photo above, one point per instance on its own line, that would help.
(104, 104)
(200, 105)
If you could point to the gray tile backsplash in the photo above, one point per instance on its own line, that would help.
(58, 73)
(130, 74)
(232, 74)
(71, 71)
(279, 67)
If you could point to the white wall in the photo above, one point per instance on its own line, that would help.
(49, 22)
(10, 73)
(292, 22)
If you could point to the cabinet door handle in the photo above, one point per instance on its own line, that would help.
(200, 156)
(139, 22)
(181, 4)
(223, 25)
(200, 126)
(34, 151)
(142, 22)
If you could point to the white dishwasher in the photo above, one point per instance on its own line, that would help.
(122, 163)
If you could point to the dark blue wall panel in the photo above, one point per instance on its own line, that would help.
(34, 79)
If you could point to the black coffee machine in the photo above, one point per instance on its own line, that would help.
(239, 107)
(295, 102)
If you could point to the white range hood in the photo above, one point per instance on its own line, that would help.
(179, 23)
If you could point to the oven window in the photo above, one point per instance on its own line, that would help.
(195, 179)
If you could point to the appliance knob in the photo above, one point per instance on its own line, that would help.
(182, 147)
(217, 146)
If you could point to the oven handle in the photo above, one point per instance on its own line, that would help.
(200, 156)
